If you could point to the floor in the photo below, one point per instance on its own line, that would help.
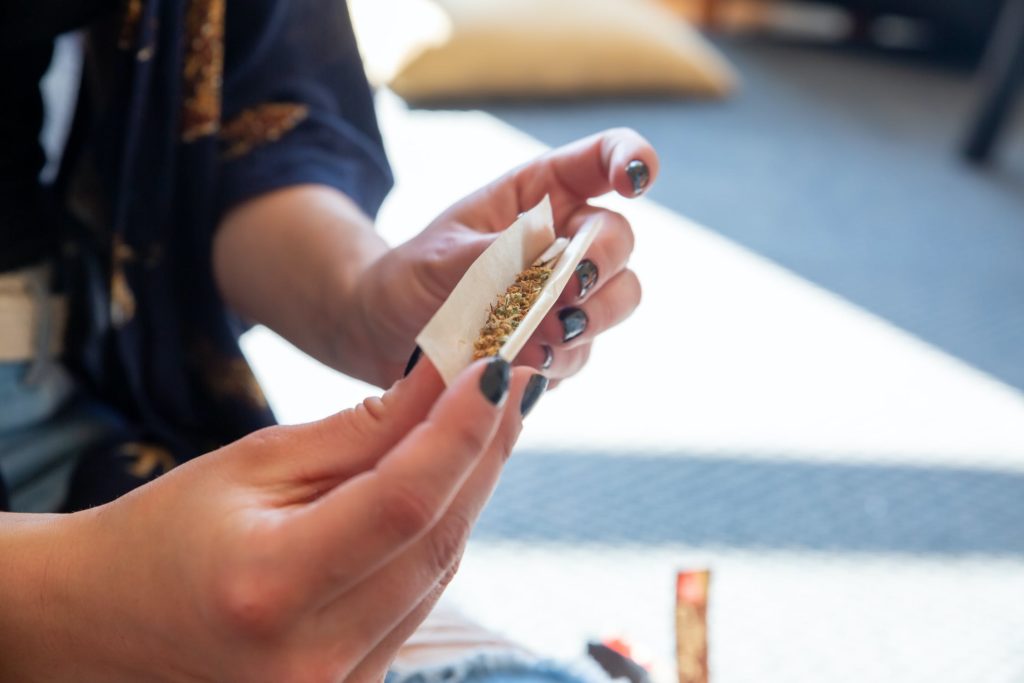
(839, 166)
(820, 397)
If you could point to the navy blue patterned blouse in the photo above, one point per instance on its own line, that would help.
(189, 107)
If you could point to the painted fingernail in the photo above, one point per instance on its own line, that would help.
(494, 381)
(534, 388)
(549, 357)
(639, 175)
(413, 360)
(574, 322)
(586, 272)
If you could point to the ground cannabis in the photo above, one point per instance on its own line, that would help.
(509, 309)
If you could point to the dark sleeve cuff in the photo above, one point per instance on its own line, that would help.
(320, 150)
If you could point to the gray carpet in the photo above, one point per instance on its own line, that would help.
(640, 500)
(841, 166)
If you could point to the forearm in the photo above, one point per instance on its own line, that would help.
(36, 612)
(72, 604)
(292, 260)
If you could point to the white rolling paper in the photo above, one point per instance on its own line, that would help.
(447, 340)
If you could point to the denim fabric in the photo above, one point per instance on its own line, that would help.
(499, 667)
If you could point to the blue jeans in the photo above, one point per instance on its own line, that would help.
(497, 667)
(45, 426)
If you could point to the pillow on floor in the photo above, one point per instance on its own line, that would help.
(431, 50)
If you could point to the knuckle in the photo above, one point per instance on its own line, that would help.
(374, 409)
(249, 592)
(449, 574)
(407, 512)
(429, 267)
(446, 545)
(250, 603)
(268, 441)
(468, 438)
(433, 266)
(362, 422)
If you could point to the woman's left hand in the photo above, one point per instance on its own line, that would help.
(400, 292)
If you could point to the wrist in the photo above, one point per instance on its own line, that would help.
(37, 582)
(354, 328)
(61, 619)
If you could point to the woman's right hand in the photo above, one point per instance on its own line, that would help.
(306, 553)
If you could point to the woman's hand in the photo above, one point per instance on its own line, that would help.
(399, 293)
(304, 553)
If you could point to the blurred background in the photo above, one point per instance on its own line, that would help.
(821, 396)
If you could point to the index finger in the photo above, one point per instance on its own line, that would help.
(360, 525)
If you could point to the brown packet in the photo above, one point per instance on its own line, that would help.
(449, 337)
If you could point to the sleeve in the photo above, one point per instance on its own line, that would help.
(296, 104)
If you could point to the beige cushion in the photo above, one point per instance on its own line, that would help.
(443, 49)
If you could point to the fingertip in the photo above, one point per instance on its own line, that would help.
(535, 387)
(633, 163)
(639, 175)
(495, 380)
(421, 371)
(521, 375)
(536, 356)
(487, 378)
(413, 360)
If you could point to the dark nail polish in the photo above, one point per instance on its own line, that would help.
(586, 272)
(639, 175)
(549, 357)
(534, 388)
(574, 322)
(413, 360)
(494, 381)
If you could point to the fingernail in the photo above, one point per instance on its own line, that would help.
(586, 272)
(413, 360)
(534, 388)
(574, 321)
(549, 357)
(639, 175)
(494, 381)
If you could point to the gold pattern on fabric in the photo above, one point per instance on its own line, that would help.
(131, 15)
(122, 299)
(204, 68)
(147, 459)
(228, 377)
(260, 125)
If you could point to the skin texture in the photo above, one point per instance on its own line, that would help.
(346, 310)
(306, 553)
(312, 552)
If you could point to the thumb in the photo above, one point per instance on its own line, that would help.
(350, 531)
(352, 441)
(456, 249)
